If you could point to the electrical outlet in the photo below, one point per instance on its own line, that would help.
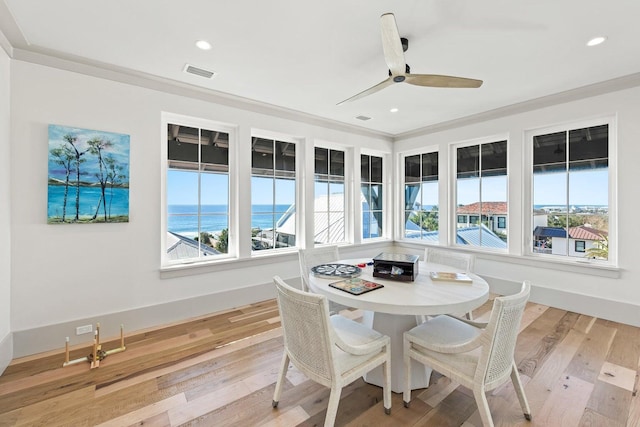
(84, 329)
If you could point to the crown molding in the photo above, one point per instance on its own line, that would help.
(5, 45)
(111, 72)
(601, 88)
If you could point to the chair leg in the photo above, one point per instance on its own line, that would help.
(483, 406)
(332, 408)
(517, 385)
(406, 397)
(284, 366)
(386, 382)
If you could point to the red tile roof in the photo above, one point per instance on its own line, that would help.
(586, 233)
(488, 208)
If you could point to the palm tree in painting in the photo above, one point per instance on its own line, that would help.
(64, 157)
(71, 140)
(96, 146)
(114, 177)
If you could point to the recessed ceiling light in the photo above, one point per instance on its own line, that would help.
(596, 41)
(203, 44)
(394, 110)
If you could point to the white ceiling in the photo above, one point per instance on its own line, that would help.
(308, 56)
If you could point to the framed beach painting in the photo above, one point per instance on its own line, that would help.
(88, 176)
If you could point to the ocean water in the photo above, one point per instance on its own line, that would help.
(183, 219)
(117, 201)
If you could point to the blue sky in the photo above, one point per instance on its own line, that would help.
(587, 188)
(182, 189)
(119, 151)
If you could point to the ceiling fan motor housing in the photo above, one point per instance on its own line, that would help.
(407, 69)
(405, 43)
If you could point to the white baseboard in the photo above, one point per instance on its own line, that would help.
(616, 311)
(6, 351)
(51, 337)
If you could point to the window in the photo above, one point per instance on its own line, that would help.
(502, 222)
(481, 193)
(462, 219)
(421, 197)
(197, 192)
(570, 199)
(371, 188)
(329, 203)
(273, 193)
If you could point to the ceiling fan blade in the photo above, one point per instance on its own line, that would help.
(369, 91)
(391, 45)
(435, 80)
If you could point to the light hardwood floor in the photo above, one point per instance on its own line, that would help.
(220, 370)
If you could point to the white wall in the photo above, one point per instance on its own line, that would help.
(6, 346)
(569, 285)
(67, 274)
(80, 271)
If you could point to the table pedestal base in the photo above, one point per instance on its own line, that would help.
(394, 326)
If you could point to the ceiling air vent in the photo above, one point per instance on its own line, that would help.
(198, 71)
(363, 118)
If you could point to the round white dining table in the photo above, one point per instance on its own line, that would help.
(392, 309)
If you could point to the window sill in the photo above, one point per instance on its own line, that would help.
(574, 266)
(257, 258)
(203, 267)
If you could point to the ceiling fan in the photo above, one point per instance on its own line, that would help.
(399, 72)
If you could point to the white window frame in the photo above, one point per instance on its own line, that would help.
(527, 229)
(299, 165)
(349, 202)
(453, 191)
(399, 196)
(231, 130)
(387, 222)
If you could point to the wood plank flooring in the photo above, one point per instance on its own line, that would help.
(220, 370)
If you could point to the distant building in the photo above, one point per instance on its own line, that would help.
(493, 215)
(328, 226)
(477, 235)
(181, 247)
(553, 240)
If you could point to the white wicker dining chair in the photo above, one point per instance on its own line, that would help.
(331, 350)
(309, 258)
(456, 260)
(477, 355)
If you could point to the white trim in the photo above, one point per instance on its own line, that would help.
(617, 311)
(613, 85)
(609, 119)
(386, 204)
(49, 337)
(299, 143)
(348, 183)
(453, 187)
(399, 230)
(6, 351)
(232, 131)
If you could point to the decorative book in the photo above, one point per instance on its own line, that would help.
(356, 286)
(450, 277)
